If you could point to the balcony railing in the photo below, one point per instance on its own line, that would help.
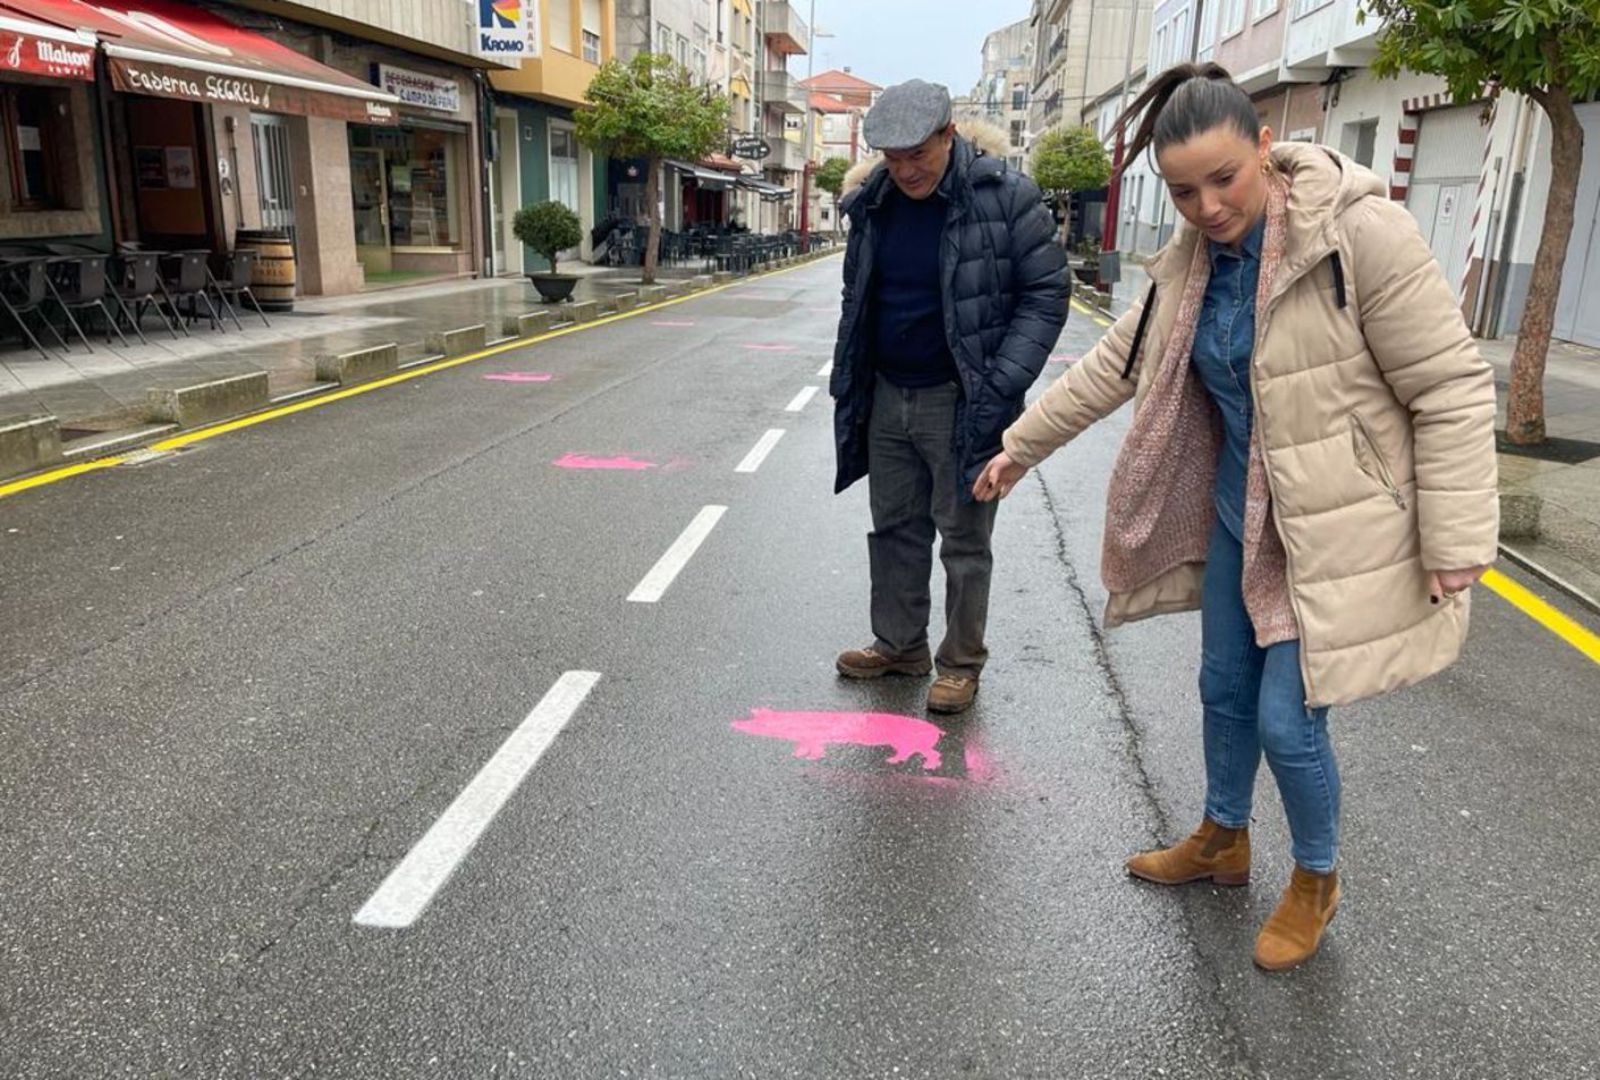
(786, 33)
(786, 155)
(782, 92)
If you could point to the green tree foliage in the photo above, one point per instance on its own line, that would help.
(1070, 159)
(650, 108)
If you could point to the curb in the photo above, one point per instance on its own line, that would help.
(43, 467)
(1551, 578)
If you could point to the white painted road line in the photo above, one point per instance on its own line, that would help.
(661, 576)
(758, 453)
(801, 400)
(411, 885)
(827, 369)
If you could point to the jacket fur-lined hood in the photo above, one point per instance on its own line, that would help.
(985, 137)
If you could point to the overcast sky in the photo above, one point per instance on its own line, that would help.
(890, 41)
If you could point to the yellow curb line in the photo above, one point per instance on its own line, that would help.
(178, 442)
(1573, 633)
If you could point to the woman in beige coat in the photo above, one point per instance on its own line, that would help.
(1311, 464)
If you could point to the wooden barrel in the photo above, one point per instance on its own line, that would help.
(272, 281)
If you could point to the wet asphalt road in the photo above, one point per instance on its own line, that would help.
(241, 682)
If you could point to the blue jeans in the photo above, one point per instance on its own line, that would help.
(1254, 702)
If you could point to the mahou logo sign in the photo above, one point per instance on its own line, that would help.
(503, 29)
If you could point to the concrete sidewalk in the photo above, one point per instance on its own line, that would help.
(1555, 529)
(105, 390)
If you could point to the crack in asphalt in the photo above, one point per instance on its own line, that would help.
(1230, 1025)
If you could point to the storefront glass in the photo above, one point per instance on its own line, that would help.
(405, 187)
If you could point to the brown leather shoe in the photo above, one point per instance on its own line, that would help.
(869, 663)
(952, 693)
(1213, 852)
(1292, 935)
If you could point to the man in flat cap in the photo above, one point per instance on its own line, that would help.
(954, 294)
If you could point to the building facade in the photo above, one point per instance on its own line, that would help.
(1005, 90)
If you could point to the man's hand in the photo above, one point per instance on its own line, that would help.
(1446, 583)
(998, 478)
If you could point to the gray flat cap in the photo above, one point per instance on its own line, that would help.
(906, 115)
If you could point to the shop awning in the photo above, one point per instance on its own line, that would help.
(709, 179)
(769, 192)
(37, 48)
(161, 48)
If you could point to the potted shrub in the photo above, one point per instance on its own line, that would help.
(1086, 266)
(548, 228)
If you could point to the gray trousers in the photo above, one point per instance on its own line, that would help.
(914, 486)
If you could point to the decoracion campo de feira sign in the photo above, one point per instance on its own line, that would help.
(507, 29)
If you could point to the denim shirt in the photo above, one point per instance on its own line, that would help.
(1223, 342)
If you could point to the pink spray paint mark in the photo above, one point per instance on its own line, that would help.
(584, 461)
(771, 348)
(1063, 358)
(521, 377)
(980, 768)
(672, 322)
(812, 732)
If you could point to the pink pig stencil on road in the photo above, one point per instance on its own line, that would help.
(585, 461)
(521, 377)
(770, 348)
(813, 732)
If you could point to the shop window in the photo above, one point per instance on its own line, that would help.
(405, 178)
(38, 147)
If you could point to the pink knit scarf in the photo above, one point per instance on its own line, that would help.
(1160, 508)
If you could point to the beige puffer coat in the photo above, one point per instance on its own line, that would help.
(1377, 419)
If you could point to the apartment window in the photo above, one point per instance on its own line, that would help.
(561, 27)
(1302, 8)
(37, 145)
(1208, 24)
(1161, 48)
(1018, 132)
(721, 20)
(1263, 8)
(1019, 95)
(663, 39)
(683, 52)
(591, 31)
(1180, 36)
(1359, 141)
(1232, 17)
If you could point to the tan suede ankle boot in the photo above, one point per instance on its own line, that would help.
(1213, 852)
(1292, 935)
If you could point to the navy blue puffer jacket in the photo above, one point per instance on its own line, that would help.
(1005, 301)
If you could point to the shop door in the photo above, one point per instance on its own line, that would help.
(564, 171)
(1576, 320)
(274, 176)
(1444, 183)
(370, 195)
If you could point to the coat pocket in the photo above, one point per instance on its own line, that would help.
(1370, 460)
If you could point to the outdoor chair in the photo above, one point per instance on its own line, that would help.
(231, 283)
(184, 276)
(24, 287)
(79, 283)
(136, 285)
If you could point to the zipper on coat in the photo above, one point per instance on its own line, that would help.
(1337, 266)
(1263, 321)
(1366, 445)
